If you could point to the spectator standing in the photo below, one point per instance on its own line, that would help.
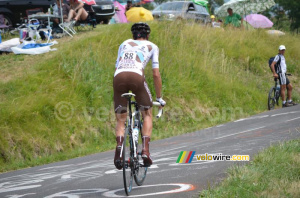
(233, 19)
(279, 69)
(57, 11)
(128, 5)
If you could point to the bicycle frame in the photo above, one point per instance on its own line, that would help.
(131, 122)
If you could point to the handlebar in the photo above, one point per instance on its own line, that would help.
(160, 111)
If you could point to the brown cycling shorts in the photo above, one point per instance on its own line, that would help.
(130, 81)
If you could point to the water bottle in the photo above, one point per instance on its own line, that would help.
(51, 9)
(135, 133)
(278, 87)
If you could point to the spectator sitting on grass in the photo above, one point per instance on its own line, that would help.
(77, 12)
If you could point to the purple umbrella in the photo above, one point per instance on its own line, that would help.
(258, 21)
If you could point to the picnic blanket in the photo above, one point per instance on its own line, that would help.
(30, 47)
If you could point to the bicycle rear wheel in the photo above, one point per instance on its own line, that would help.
(271, 98)
(139, 171)
(127, 162)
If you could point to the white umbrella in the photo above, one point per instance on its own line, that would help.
(244, 7)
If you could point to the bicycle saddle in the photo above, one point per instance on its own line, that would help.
(128, 95)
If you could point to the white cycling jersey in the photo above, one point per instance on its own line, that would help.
(133, 56)
(282, 66)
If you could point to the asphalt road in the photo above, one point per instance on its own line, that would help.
(95, 175)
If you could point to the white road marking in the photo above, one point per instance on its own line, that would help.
(153, 166)
(161, 152)
(165, 159)
(220, 125)
(191, 164)
(66, 177)
(18, 196)
(63, 166)
(182, 188)
(19, 188)
(238, 133)
(112, 171)
(292, 119)
(77, 193)
(252, 118)
(285, 113)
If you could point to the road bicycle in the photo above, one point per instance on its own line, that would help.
(131, 150)
(274, 94)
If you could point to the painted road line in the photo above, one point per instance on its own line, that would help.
(279, 114)
(238, 133)
(153, 166)
(194, 163)
(66, 177)
(252, 118)
(182, 188)
(160, 153)
(292, 119)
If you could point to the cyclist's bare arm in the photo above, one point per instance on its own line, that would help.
(157, 82)
(273, 69)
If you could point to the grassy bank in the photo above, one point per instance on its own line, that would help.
(59, 105)
(273, 173)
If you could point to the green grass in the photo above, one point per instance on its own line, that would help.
(210, 76)
(274, 172)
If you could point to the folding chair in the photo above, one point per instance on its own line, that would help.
(68, 27)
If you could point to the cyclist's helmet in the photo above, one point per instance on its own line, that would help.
(140, 30)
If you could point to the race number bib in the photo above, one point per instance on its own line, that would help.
(128, 61)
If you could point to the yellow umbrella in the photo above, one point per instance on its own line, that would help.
(138, 14)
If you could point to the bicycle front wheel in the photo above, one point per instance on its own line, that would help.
(271, 98)
(127, 162)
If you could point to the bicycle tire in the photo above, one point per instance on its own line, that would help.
(271, 98)
(127, 163)
(140, 171)
(277, 94)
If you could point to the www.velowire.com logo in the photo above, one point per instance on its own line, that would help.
(187, 157)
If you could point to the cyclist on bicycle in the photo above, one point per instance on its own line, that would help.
(279, 71)
(133, 56)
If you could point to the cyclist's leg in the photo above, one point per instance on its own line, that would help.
(282, 82)
(144, 99)
(147, 131)
(121, 114)
(120, 130)
(289, 89)
(147, 124)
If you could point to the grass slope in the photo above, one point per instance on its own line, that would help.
(274, 172)
(210, 76)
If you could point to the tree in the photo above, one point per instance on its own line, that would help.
(293, 9)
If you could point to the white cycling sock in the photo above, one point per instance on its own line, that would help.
(283, 102)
